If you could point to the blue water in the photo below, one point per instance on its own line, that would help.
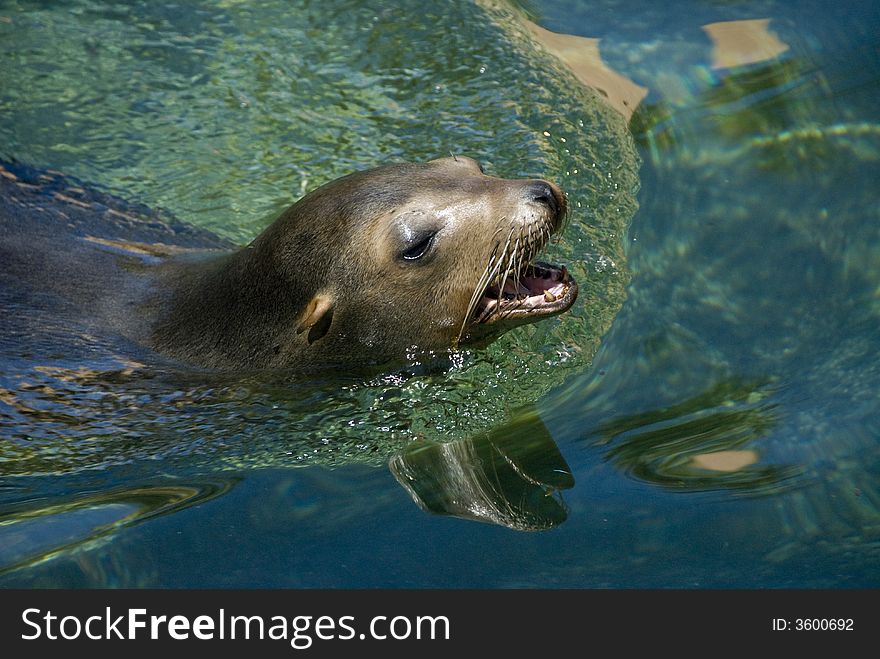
(740, 316)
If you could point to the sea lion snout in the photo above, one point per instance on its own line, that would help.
(547, 194)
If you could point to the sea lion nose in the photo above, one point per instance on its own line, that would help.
(547, 194)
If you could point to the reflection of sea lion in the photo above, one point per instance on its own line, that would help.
(509, 476)
(372, 265)
(363, 270)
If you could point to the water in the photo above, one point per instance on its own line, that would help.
(706, 416)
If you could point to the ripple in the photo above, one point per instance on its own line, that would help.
(33, 532)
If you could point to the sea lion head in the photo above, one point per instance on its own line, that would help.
(425, 257)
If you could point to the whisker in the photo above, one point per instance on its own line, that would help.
(489, 272)
(515, 256)
(503, 281)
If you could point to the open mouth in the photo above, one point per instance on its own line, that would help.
(539, 290)
(513, 289)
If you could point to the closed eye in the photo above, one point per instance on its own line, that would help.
(420, 247)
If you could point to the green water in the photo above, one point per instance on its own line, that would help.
(726, 242)
(290, 97)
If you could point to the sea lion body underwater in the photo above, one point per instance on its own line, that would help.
(368, 269)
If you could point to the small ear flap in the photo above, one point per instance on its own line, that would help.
(317, 317)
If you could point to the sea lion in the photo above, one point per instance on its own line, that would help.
(365, 270)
